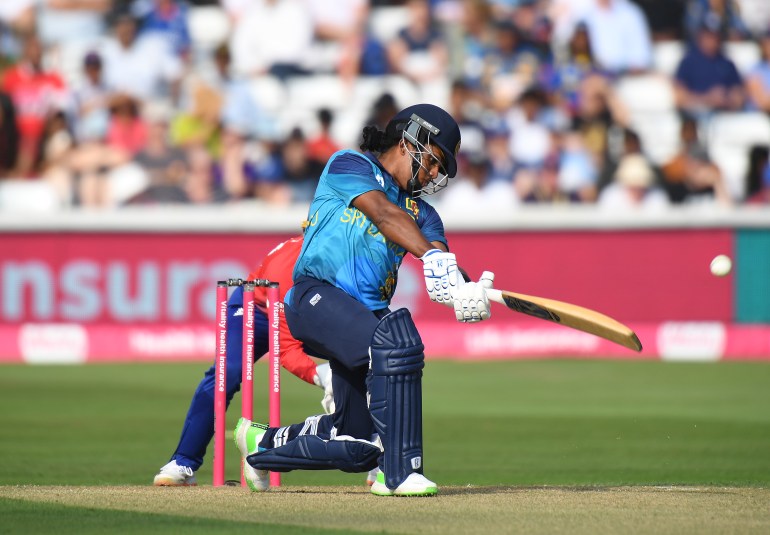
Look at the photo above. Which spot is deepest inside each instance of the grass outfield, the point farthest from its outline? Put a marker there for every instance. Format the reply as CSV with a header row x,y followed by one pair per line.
x,y
522,446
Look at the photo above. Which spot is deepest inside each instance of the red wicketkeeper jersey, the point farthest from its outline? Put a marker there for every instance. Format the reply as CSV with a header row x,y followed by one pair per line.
x,y
277,266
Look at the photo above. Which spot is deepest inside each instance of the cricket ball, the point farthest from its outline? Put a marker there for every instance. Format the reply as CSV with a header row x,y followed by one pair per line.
x,y
721,265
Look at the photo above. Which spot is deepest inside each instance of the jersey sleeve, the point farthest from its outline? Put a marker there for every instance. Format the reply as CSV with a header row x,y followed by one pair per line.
x,y
351,174
430,224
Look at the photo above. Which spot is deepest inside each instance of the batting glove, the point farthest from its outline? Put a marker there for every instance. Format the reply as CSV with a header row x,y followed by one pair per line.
x,y
471,303
442,277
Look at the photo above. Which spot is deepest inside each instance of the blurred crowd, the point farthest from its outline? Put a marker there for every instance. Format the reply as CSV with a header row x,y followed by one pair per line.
x,y
112,103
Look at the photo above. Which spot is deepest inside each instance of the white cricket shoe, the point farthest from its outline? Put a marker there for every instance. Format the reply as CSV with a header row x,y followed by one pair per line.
x,y
371,477
175,475
247,438
414,485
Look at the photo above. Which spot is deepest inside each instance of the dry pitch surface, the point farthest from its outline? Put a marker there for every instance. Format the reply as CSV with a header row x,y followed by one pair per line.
x,y
486,510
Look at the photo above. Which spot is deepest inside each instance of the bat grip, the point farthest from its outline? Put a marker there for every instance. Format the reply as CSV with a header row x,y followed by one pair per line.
x,y
495,295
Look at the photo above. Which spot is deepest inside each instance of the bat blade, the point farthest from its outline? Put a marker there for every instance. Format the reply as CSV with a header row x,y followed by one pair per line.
x,y
569,315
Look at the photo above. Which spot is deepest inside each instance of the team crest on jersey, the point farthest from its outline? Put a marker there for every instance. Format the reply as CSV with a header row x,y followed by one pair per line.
x,y
413,207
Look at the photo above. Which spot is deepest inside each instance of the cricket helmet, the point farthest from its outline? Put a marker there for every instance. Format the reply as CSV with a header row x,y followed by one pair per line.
x,y
426,124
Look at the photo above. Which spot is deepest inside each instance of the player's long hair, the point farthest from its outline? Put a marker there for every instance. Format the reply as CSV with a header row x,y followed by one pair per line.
x,y
377,140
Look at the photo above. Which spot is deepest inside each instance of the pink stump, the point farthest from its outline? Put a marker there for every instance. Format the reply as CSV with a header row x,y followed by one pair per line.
x,y
274,352
220,386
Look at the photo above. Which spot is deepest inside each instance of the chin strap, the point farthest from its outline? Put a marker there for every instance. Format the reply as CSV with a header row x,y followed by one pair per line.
x,y
415,189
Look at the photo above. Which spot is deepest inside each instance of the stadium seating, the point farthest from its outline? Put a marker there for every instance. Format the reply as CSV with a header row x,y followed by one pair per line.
x,y
28,196
650,101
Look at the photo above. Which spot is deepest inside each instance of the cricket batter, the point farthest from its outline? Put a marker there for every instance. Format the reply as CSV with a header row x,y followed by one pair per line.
x,y
199,424
367,213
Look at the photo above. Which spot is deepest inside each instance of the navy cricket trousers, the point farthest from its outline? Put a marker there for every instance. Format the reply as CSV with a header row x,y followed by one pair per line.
x,y
334,326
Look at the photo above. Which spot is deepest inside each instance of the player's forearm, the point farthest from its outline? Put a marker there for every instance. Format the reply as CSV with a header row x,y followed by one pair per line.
x,y
401,229
296,362
395,224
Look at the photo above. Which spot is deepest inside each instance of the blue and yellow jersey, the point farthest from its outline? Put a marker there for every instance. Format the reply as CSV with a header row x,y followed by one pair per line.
x,y
342,247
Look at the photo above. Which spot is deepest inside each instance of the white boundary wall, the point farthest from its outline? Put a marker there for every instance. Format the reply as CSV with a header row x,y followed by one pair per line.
x,y
256,217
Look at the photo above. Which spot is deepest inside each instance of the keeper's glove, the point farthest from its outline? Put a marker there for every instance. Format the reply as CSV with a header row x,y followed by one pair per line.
x,y
323,379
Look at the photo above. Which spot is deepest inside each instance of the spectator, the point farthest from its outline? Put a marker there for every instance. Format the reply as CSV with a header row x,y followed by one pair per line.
x,y
19,16
577,176
564,15
758,176
322,146
620,38
474,188
339,30
530,139
706,80
200,125
300,171
9,47
723,15
86,174
534,29
35,93
374,56
239,174
690,177
216,98
127,130
166,166
509,57
199,185
631,144
758,80
500,165
168,19
633,188
599,112
56,147
564,78
91,101
466,106
540,186
418,51
9,136
273,37
143,67
477,39
56,143
664,18
383,110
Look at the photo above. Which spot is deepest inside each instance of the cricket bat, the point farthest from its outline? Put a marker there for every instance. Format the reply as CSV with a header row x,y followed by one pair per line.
x,y
577,317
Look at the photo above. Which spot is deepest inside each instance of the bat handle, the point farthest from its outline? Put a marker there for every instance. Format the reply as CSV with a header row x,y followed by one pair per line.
x,y
495,295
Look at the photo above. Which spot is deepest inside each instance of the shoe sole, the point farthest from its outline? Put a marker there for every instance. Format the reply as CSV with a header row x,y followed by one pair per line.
x,y
172,483
378,489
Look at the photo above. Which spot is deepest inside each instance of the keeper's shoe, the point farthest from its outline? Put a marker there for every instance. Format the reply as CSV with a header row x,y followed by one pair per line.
x,y
371,477
414,485
247,438
175,475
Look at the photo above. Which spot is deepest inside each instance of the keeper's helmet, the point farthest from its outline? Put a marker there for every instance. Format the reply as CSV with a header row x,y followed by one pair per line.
x,y
426,124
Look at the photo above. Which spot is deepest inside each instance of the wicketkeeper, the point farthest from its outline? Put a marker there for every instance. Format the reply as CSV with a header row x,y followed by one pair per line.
x,y
198,426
